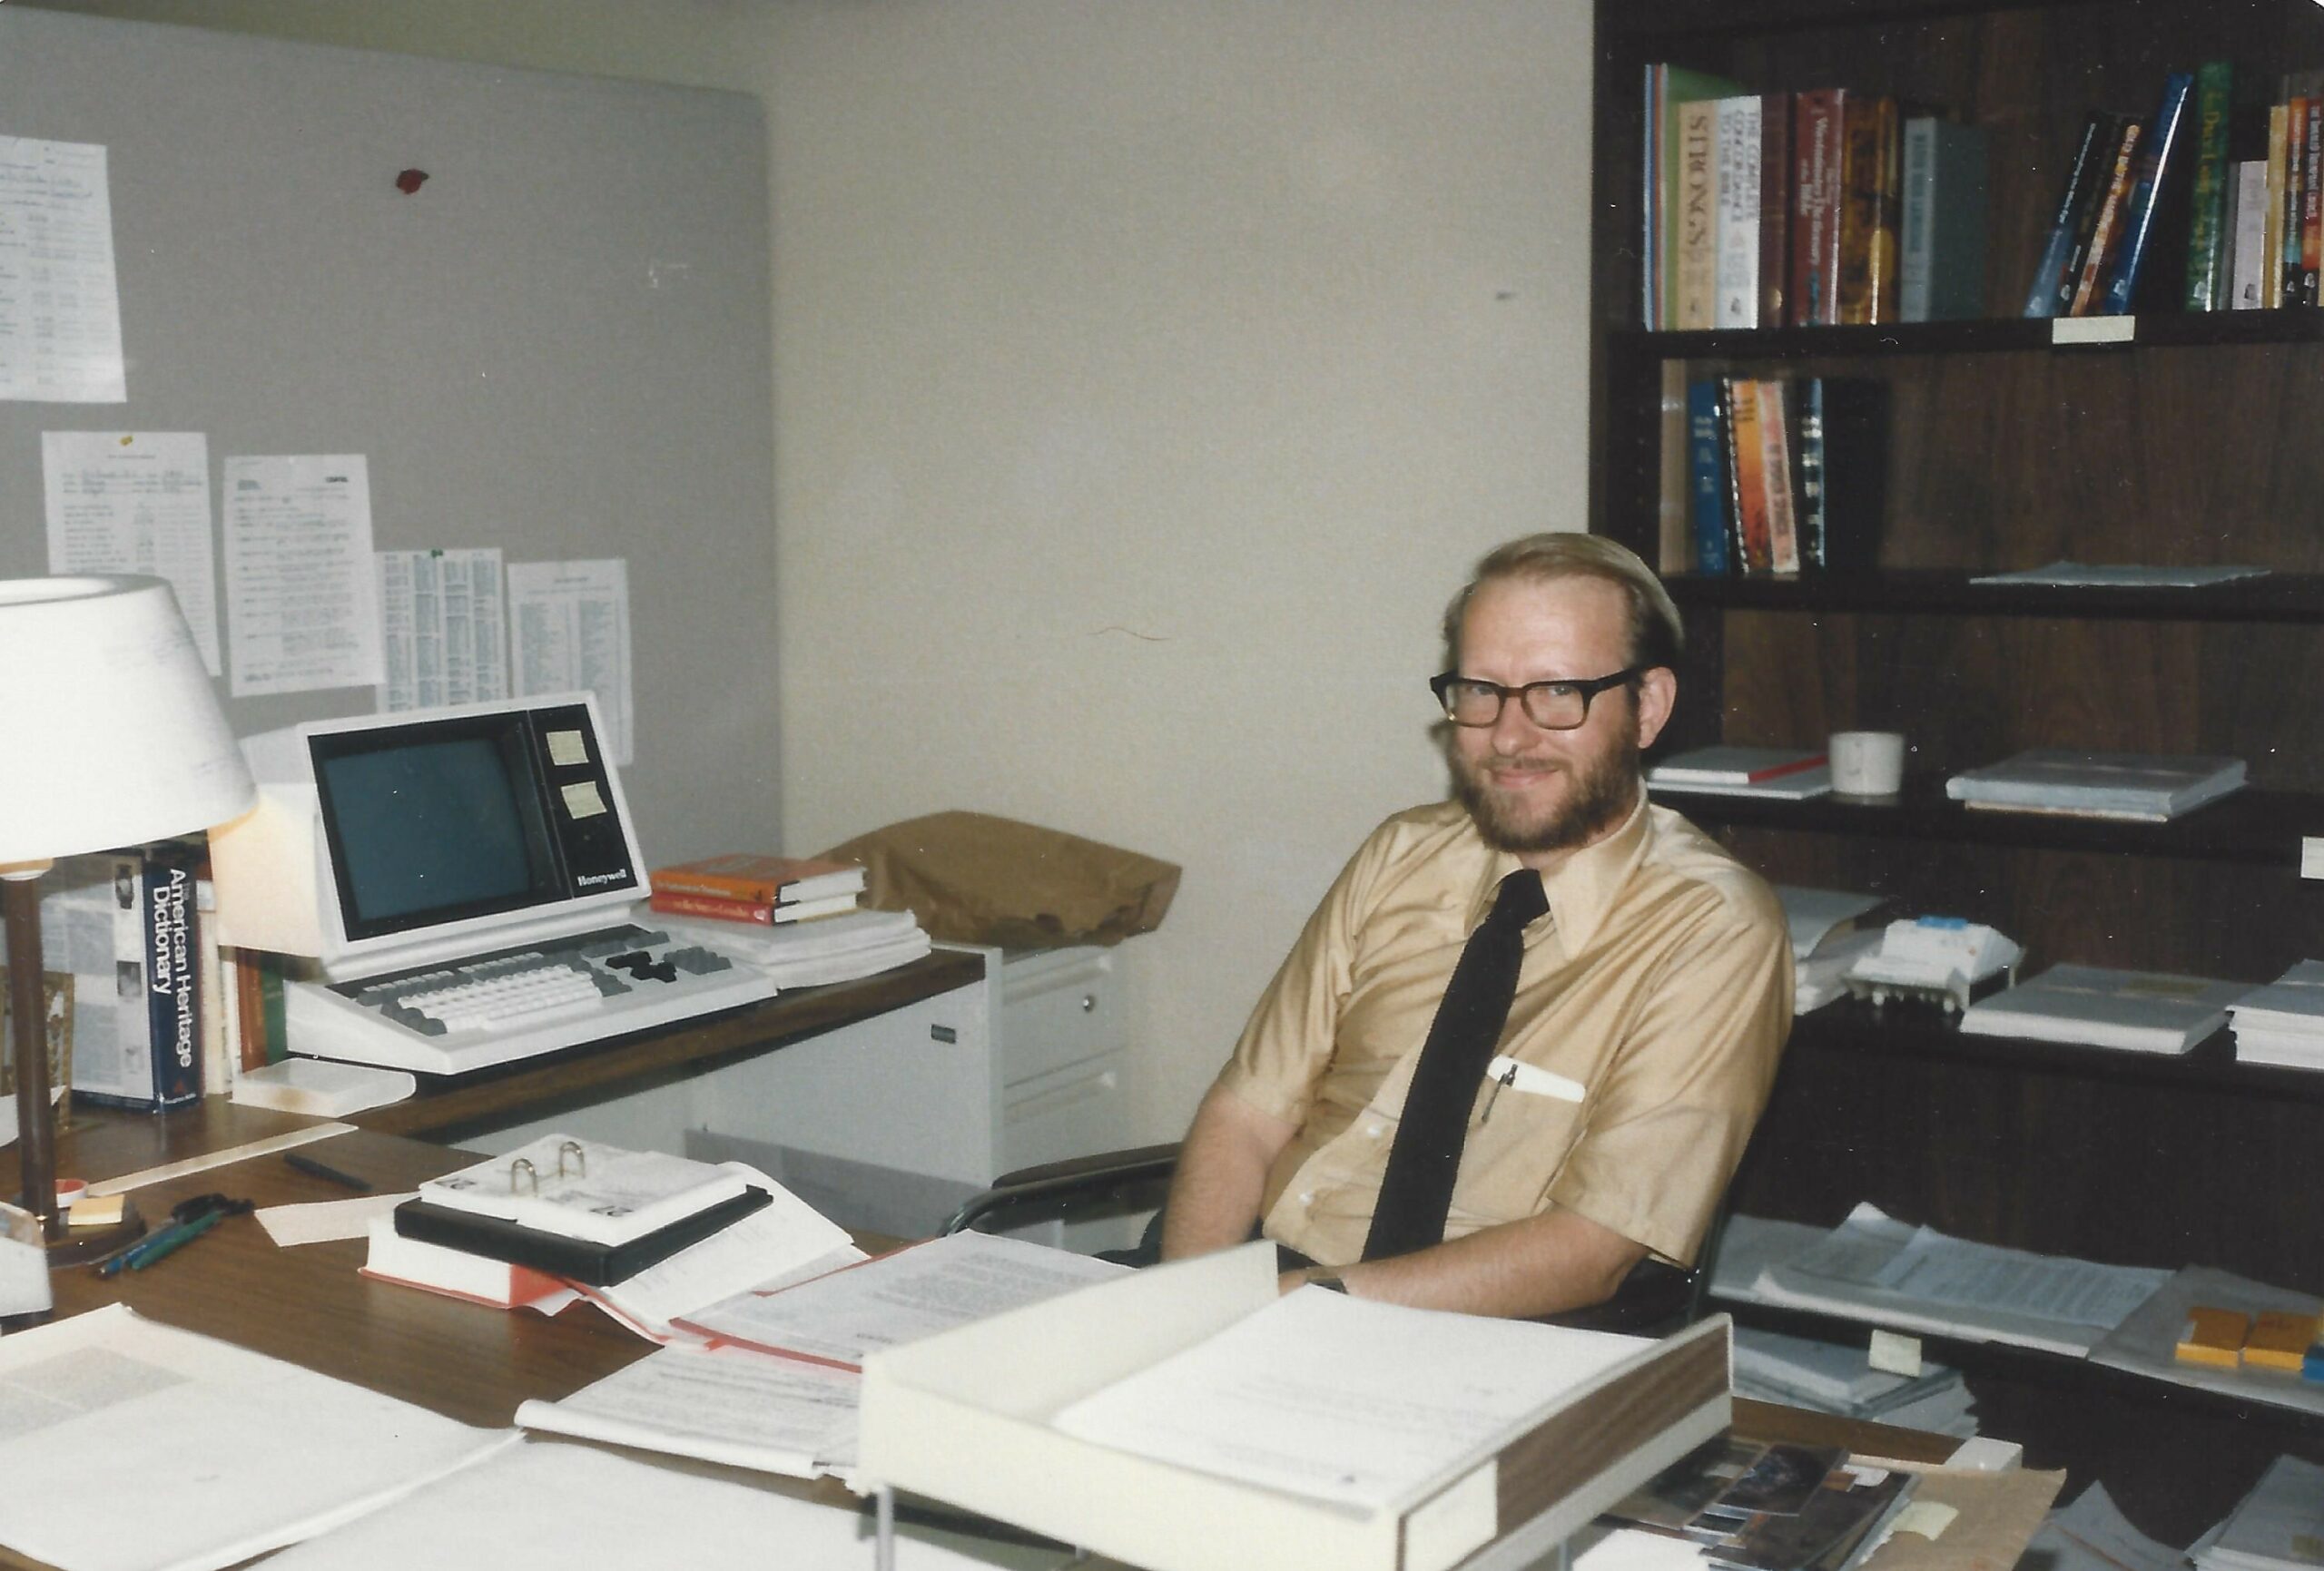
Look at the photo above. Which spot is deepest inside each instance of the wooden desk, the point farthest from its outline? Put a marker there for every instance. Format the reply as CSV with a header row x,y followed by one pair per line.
x,y
558,1082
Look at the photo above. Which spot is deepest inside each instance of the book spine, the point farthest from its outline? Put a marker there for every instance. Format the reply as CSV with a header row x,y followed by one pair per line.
x,y
1775,469
1747,455
2248,249
716,907
172,982
2138,212
1814,517
2207,287
272,975
1650,205
2270,260
1697,217
1814,207
2105,228
1708,474
2288,237
1675,537
1738,129
716,886
217,1064
1918,261
2311,208
1868,237
1775,206
2042,293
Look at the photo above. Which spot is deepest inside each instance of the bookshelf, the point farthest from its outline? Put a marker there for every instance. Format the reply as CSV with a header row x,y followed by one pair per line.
x,y
2198,440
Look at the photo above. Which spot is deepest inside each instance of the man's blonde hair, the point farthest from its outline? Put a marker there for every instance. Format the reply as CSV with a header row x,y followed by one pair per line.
x,y
1656,636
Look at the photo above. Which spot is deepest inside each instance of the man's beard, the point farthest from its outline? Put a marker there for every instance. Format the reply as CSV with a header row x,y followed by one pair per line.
x,y
1602,793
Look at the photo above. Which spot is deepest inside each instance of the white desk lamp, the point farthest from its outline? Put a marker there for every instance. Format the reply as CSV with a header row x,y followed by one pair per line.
x,y
110,735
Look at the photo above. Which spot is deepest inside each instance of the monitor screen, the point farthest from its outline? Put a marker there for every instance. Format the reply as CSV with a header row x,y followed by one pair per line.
x,y
428,830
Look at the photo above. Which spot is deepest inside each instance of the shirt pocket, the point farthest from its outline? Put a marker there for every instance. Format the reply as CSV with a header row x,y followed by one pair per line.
x,y
1518,1142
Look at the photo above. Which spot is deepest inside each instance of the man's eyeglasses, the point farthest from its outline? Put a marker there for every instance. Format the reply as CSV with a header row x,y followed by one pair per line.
x,y
1552,705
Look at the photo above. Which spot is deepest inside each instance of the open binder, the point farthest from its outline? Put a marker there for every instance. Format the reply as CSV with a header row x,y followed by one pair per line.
x,y
965,1417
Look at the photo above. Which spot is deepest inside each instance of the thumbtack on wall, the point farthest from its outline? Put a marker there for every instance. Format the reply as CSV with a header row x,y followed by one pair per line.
x,y
410,180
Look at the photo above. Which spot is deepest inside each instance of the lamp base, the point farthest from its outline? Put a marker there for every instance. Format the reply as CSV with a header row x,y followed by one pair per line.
x,y
80,1245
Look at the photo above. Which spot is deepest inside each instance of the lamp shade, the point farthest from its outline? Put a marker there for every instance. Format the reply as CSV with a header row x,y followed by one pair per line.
x,y
110,730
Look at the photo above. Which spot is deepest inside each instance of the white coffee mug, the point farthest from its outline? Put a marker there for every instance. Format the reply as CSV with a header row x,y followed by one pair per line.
x,y
1868,763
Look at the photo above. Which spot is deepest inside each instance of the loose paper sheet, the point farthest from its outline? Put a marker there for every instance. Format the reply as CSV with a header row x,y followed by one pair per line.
x,y
59,301
324,1220
570,633
443,638
899,1297
2092,1535
301,590
135,502
549,1506
729,1404
1342,1399
105,1396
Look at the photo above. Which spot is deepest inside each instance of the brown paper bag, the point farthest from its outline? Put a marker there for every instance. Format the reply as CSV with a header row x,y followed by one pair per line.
x,y
974,879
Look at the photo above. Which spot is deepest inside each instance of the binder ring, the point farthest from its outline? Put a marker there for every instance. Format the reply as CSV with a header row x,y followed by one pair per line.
x,y
523,1166
580,1159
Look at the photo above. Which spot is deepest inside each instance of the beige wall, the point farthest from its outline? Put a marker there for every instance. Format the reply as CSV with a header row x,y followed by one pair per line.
x,y
1147,374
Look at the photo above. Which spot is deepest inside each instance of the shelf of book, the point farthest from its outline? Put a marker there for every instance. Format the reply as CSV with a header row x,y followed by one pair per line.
x,y
2254,826
2277,598
1852,1029
2292,325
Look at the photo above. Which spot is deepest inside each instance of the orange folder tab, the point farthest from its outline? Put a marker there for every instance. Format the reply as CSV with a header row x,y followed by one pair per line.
x,y
2213,1335
2279,1340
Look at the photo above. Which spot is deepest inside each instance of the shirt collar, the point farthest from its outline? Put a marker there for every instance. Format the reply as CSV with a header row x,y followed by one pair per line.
x,y
1582,889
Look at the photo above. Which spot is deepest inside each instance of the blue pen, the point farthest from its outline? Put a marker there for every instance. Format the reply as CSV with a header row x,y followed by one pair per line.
x,y
161,1244
113,1265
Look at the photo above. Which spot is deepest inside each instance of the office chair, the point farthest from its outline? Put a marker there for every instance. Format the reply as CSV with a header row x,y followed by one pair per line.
x,y
1654,1300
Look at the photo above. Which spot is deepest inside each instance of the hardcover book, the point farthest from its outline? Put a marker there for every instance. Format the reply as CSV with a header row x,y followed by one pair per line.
x,y
1738,131
1711,514
1941,272
1815,194
2100,1007
2080,293
1734,766
2150,787
2162,155
1869,205
2060,252
2207,284
753,876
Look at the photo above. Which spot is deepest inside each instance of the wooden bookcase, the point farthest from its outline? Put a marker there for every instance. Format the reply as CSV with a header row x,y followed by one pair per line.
x,y
2199,442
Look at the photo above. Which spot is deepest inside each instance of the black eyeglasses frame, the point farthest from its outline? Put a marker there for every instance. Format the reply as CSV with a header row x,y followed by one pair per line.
x,y
1589,687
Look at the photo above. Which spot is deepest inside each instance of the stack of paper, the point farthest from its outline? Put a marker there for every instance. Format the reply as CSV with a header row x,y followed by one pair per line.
x,y
2283,1022
772,1378
1827,938
2148,786
1874,1268
1828,1377
828,949
2143,1011
2279,1525
2092,1535
1781,773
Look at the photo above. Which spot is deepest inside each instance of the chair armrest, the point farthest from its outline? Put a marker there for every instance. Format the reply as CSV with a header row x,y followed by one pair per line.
x,y
1062,1181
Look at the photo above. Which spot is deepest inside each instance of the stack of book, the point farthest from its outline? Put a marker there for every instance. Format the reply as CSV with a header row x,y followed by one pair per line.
x,y
1828,1377
2149,788
1805,209
121,941
1785,774
2143,1011
2278,1527
755,889
1756,1507
2124,169
1783,475
2261,230
2282,1022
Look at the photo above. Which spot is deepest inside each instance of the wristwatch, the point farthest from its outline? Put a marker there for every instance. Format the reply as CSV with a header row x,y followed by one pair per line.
x,y
1323,1276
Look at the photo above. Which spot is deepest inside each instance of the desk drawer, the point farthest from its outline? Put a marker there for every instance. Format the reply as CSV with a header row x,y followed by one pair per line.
x,y
1058,1007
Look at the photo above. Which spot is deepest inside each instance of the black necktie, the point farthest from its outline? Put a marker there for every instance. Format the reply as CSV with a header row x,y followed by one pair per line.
x,y
1416,1190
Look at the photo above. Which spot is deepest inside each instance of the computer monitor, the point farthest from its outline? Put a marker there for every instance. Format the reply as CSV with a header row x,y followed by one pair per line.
x,y
394,839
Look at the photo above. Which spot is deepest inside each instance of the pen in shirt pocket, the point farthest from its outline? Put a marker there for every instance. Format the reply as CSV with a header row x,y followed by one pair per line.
x,y
1508,1075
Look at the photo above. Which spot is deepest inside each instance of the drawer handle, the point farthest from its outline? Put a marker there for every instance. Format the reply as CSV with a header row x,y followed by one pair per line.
x,y
1089,1003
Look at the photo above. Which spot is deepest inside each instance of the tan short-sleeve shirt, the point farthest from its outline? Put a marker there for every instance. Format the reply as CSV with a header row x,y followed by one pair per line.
x,y
1651,1006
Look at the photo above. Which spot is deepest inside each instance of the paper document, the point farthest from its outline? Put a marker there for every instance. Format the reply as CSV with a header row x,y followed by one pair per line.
x,y
60,300
898,1298
570,633
2092,1535
784,1242
2280,1524
105,1396
326,1221
1877,1269
135,502
1342,1399
2081,574
302,593
443,636
546,1507
731,1405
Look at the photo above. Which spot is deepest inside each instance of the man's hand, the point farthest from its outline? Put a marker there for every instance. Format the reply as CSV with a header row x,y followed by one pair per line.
x,y
1542,1265
1222,1170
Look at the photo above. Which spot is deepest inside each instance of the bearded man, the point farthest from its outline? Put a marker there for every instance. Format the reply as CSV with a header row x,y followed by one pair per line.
x,y
1576,1123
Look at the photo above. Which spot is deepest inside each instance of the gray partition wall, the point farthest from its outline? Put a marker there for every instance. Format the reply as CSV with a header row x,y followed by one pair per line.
x,y
556,345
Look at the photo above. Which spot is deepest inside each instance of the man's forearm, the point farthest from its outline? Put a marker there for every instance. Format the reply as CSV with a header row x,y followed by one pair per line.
x,y
1222,1174
1545,1264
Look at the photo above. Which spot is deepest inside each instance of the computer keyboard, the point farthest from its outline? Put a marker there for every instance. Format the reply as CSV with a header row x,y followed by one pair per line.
x,y
511,1003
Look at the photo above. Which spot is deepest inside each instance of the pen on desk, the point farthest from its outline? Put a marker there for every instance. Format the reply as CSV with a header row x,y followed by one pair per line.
x,y
308,1165
169,1242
